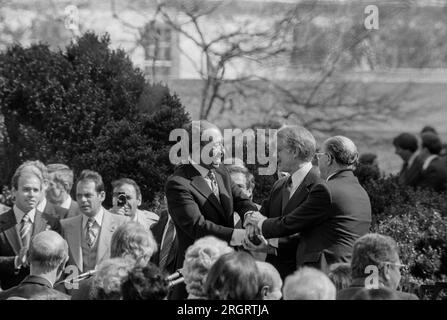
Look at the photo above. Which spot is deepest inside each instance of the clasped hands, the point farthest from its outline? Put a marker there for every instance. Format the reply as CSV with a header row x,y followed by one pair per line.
x,y
254,241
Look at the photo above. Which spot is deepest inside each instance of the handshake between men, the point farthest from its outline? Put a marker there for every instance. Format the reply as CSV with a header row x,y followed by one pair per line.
x,y
253,240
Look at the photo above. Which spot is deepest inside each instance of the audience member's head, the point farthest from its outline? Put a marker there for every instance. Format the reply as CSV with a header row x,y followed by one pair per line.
x,y
243,178
132,240
368,158
131,191
199,258
340,275
378,251
375,294
145,283
308,284
28,185
405,145
429,129
337,153
431,143
106,282
90,193
271,282
296,145
60,183
47,255
234,276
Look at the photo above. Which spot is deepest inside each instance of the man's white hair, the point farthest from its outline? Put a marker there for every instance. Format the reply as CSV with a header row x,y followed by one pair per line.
x,y
308,284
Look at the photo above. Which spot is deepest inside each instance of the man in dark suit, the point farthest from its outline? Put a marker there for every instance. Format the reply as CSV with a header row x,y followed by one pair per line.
x,y
295,150
406,145
375,263
48,254
200,194
434,170
20,224
335,214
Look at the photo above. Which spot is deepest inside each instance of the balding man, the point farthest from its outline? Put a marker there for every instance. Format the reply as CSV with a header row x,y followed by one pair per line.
x,y
309,284
335,214
48,254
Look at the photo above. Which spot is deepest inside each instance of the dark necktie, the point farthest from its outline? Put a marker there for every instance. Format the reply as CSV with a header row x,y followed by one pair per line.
x,y
25,230
286,192
167,243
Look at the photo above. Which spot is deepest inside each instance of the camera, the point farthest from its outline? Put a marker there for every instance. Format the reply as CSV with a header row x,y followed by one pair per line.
x,y
122,200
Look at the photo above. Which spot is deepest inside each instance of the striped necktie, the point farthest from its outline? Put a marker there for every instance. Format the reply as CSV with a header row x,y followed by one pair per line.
x,y
91,232
25,230
212,177
167,243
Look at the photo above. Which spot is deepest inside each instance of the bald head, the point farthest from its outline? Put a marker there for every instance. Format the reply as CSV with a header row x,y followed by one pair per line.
x,y
342,149
309,284
48,250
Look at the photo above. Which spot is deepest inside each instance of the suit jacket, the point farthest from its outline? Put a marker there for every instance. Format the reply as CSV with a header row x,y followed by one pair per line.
x,y
158,230
197,212
54,214
434,177
10,245
409,176
334,215
277,206
34,286
73,210
72,232
357,286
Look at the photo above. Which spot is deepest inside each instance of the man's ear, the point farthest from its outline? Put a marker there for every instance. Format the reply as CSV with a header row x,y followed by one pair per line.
x,y
139,202
102,195
264,291
385,272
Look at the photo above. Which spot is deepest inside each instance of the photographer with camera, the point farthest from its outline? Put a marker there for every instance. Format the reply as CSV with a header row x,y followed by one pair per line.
x,y
126,199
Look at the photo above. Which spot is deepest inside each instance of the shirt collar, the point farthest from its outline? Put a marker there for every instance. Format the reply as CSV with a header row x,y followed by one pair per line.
x,y
98,218
299,175
20,214
203,171
67,203
42,204
428,161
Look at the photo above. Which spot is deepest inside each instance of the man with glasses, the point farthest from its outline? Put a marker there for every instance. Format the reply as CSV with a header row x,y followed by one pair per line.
x,y
375,264
336,212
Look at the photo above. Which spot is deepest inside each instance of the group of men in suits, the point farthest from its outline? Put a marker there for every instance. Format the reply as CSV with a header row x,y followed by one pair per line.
x,y
307,219
42,202
423,166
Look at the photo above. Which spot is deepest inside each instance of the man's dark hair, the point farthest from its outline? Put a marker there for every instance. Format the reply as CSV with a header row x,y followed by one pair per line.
x,y
145,283
432,142
429,129
118,183
406,141
89,175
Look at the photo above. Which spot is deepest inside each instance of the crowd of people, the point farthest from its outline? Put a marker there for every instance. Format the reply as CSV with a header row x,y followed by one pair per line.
x,y
308,240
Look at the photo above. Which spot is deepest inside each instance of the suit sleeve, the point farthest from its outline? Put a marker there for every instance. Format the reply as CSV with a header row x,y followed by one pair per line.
x,y
310,213
7,265
187,216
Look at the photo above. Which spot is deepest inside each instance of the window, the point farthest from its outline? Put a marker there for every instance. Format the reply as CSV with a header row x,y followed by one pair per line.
x,y
157,44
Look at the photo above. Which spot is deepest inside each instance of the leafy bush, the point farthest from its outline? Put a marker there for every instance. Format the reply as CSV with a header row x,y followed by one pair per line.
x,y
416,219
88,107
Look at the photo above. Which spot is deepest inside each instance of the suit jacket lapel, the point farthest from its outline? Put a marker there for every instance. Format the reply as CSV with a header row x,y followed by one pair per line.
x,y
200,184
223,193
105,236
14,239
300,193
74,236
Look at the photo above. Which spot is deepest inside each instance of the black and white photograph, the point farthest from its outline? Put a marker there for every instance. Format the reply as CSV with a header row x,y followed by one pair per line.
x,y
230,150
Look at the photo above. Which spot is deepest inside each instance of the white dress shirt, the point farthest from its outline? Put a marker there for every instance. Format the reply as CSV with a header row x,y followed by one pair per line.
x,y
41,206
298,177
67,203
428,161
98,221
